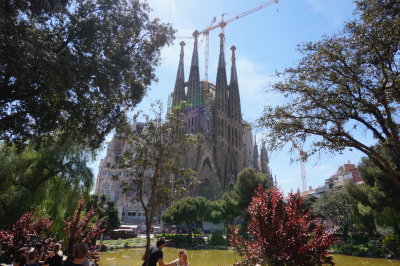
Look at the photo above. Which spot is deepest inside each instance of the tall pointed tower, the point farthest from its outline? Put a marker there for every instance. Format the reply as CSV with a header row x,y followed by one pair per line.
x,y
179,90
194,93
214,111
264,160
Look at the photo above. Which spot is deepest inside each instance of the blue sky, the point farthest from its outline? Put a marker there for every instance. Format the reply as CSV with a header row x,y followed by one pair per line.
x,y
266,42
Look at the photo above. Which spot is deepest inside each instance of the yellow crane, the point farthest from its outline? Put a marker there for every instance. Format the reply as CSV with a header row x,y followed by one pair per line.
x,y
222,24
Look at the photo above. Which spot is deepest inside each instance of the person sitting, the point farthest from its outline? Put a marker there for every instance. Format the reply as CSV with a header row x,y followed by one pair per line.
x,y
155,254
81,251
181,260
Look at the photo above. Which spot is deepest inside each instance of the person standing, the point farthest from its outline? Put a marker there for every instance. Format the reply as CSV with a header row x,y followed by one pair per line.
x,y
33,258
55,257
156,254
81,251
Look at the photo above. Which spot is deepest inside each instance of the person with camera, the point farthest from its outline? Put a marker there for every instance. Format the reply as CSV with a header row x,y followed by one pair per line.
x,y
55,256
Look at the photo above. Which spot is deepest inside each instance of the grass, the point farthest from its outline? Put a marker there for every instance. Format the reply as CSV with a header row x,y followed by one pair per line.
x,y
128,243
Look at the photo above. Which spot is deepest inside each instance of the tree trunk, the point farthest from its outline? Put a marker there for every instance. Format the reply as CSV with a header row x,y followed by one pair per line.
x,y
148,229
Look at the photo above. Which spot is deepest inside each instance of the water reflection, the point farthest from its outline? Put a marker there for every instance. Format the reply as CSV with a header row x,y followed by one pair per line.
x,y
132,257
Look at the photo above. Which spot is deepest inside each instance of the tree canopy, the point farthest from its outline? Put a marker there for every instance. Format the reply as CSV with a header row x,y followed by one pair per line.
x,y
49,180
105,209
345,84
188,210
68,68
336,206
246,185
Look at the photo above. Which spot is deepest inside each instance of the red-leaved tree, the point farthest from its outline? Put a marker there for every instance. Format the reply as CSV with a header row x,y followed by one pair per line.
x,y
25,231
82,227
280,234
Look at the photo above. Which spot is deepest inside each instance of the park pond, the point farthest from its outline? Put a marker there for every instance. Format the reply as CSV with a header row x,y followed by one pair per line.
x,y
132,257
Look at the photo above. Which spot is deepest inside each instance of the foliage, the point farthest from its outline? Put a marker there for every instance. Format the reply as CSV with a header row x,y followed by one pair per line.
x,y
336,206
376,178
360,245
28,229
176,236
81,227
280,233
225,209
188,211
125,244
377,206
344,85
217,239
48,180
105,209
157,162
68,67
392,244
246,184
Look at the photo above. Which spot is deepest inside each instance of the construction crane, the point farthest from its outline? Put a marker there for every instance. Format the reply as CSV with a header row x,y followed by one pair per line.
x,y
222,24
303,159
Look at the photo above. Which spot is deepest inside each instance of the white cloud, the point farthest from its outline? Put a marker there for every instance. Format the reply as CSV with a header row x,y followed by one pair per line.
x,y
336,11
253,79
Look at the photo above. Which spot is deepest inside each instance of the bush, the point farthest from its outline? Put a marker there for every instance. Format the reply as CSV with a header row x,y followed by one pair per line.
x,y
176,236
370,247
384,231
217,239
125,244
392,244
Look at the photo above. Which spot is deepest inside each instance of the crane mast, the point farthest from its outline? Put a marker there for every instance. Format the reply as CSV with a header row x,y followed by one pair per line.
x,y
303,159
222,24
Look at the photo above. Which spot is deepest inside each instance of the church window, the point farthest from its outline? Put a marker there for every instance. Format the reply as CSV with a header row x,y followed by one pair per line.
x,y
123,213
106,186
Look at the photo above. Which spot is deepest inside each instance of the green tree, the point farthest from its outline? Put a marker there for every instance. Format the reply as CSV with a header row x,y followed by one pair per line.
x,y
345,84
157,162
69,67
187,210
225,209
49,180
374,208
376,179
105,209
337,206
246,184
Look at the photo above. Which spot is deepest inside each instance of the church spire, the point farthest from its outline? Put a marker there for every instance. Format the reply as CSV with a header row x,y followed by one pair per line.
x,y
194,93
221,83
179,90
264,160
234,96
255,154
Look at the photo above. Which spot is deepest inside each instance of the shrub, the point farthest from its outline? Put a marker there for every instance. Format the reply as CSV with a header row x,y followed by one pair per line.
x,y
391,243
125,244
217,239
280,233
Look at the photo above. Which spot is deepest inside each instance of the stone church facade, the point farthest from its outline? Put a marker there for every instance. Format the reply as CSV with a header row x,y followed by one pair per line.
x,y
214,111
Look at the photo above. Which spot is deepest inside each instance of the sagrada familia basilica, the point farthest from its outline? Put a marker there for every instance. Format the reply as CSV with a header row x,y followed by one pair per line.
x,y
215,112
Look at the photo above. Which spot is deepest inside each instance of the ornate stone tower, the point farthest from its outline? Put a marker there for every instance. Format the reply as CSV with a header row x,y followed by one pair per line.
x,y
215,112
